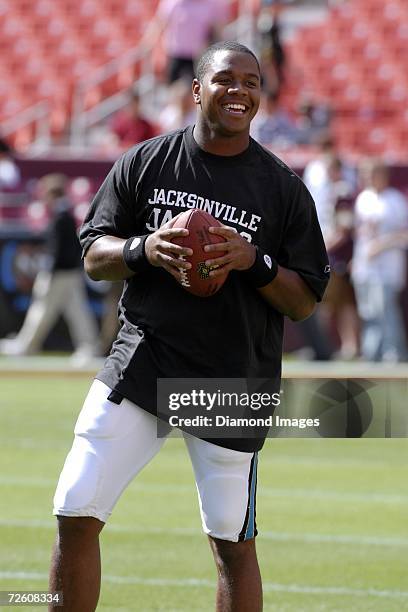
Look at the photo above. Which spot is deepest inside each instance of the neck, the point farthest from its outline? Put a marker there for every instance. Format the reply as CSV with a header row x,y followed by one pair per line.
x,y
219,144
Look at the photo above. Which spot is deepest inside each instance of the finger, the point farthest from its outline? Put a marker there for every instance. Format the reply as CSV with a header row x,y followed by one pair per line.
x,y
173,271
221,271
224,230
219,261
176,264
170,247
172,232
218,246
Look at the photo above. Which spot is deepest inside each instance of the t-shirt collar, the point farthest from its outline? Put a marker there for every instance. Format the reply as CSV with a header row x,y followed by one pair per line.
x,y
197,151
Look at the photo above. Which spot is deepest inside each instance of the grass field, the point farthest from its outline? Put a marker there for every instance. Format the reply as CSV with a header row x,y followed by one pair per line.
x,y
332,516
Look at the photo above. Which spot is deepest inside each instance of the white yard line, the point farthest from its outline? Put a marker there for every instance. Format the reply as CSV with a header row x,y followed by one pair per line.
x,y
319,538
199,582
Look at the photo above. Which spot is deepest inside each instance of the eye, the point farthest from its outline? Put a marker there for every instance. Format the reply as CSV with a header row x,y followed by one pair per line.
x,y
251,84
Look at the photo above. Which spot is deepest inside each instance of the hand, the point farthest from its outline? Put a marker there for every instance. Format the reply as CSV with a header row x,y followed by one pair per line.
x,y
161,252
240,254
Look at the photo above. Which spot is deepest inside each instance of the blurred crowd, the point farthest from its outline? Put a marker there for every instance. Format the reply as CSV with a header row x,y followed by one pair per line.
x,y
364,221
364,218
188,26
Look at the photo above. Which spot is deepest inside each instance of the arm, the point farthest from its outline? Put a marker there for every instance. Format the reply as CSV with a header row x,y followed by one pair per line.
x,y
287,293
104,259
394,240
290,295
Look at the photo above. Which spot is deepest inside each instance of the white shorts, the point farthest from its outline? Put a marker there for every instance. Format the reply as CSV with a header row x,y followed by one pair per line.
x,y
113,442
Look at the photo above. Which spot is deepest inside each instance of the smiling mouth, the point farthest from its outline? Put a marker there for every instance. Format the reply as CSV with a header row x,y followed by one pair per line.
x,y
235,109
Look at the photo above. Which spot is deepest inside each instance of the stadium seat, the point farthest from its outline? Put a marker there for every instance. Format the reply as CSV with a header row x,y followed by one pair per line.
x,y
359,57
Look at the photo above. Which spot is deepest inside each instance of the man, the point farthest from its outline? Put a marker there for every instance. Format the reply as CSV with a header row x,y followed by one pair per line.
x,y
128,234
129,126
379,265
187,26
58,289
274,126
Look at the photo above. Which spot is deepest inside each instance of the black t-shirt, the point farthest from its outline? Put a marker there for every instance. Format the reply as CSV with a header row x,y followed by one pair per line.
x,y
62,239
166,331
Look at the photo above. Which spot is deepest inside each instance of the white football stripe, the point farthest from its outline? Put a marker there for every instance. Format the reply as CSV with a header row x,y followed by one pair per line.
x,y
277,536
199,582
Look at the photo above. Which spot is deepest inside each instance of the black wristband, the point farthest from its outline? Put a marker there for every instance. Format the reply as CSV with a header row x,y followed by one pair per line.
x,y
263,270
134,253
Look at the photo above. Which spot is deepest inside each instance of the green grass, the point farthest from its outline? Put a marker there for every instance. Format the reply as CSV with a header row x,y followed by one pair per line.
x,y
332,516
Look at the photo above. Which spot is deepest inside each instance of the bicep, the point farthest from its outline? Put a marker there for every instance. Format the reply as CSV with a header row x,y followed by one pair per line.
x,y
112,212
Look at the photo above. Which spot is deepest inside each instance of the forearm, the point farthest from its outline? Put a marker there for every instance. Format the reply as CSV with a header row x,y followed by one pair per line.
x,y
107,257
104,260
390,241
290,295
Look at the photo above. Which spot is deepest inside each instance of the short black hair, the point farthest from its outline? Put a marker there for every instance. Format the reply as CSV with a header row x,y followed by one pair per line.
x,y
205,60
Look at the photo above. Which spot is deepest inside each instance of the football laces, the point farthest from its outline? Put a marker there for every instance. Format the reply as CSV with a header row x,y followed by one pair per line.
x,y
184,277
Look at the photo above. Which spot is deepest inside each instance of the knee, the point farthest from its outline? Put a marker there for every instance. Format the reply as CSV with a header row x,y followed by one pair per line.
x,y
229,554
72,528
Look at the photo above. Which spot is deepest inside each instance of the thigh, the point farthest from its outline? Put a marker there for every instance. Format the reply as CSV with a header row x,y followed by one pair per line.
x,y
112,443
226,486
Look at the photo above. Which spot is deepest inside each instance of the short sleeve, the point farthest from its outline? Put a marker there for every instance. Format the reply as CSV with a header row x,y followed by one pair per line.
x,y
302,248
113,209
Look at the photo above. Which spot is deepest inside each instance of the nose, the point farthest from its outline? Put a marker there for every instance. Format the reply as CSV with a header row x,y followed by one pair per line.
x,y
237,86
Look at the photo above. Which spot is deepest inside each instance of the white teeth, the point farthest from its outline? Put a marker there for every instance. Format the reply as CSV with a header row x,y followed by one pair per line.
x,y
235,107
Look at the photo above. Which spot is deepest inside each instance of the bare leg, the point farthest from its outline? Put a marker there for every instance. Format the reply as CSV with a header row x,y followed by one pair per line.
x,y
76,564
239,586
348,326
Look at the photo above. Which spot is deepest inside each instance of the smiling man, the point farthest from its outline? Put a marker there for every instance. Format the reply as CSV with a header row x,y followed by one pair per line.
x,y
277,265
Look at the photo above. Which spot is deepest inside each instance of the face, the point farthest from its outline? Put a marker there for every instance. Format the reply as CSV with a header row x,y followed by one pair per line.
x,y
229,93
380,179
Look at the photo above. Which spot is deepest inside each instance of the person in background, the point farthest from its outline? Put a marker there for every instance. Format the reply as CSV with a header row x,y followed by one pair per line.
x,y
188,27
314,120
315,175
336,220
9,172
129,126
379,265
274,126
273,57
180,109
59,289
329,181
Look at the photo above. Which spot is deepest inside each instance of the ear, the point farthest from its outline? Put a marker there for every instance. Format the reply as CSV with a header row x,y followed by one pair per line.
x,y
196,91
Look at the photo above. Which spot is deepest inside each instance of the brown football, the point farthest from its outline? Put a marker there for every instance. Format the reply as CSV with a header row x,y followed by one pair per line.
x,y
197,279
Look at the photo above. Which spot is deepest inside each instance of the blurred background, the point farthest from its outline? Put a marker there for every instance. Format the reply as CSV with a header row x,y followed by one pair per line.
x,y
82,81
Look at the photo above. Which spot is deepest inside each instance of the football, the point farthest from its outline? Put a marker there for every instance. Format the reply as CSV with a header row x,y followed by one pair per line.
x,y
197,280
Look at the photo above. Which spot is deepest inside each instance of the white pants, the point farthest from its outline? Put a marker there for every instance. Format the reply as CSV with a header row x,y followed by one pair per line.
x,y
113,442
55,294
